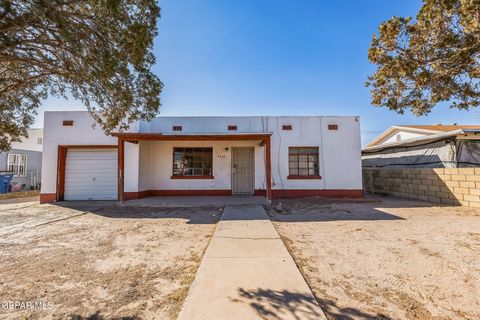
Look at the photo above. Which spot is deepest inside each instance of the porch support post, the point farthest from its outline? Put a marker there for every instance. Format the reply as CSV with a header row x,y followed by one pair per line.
x,y
121,166
268,169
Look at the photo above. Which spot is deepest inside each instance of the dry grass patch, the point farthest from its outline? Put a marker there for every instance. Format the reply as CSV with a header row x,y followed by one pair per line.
x,y
386,259
110,263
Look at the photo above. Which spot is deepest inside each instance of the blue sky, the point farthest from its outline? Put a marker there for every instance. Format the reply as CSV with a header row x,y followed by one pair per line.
x,y
264,57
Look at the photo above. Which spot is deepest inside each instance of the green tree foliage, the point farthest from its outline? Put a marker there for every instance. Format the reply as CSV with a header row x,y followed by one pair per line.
x,y
98,50
427,60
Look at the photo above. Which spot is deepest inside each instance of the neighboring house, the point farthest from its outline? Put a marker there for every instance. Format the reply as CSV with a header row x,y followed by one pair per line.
x,y
24,160
424,146
272,156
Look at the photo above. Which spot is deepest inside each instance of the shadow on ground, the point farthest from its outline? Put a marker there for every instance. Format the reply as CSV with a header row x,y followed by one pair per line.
x,y
203,215
98,316
330,209
274,304
327,212
334,312
277,305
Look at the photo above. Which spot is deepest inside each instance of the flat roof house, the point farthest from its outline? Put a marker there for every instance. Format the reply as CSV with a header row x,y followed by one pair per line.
x,y
272,156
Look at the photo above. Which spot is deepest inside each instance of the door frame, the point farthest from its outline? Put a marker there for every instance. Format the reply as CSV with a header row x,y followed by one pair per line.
x,y
253,170
62,162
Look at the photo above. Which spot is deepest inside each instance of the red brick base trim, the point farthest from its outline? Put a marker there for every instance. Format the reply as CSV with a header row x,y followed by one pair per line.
x,y
171,193
135,195
302,193
278,194
260,192
47,197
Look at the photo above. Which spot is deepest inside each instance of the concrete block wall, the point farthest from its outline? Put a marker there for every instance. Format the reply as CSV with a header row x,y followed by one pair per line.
x,y
459,186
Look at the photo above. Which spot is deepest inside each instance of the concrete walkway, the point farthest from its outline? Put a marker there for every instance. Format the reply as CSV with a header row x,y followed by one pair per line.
x,y
247,273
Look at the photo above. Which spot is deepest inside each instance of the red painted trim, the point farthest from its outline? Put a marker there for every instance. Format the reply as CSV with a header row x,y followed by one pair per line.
x,y
47,197
277,194
135,195
302,193
292,177
88,146
172,193
120,168
268,168
195,192
259,192
185,137
62,161
191,177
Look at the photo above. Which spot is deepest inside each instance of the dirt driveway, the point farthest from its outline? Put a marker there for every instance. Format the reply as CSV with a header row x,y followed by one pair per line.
x,y
99,261
388,259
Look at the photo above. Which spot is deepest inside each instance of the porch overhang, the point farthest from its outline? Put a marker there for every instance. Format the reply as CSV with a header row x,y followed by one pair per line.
x,y
135,137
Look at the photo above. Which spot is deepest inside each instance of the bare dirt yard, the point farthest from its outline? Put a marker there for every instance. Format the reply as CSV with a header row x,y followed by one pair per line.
x,y
99,261
387,258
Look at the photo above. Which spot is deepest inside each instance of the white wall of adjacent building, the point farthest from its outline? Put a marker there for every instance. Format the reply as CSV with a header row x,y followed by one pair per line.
x,y
401,135
34,141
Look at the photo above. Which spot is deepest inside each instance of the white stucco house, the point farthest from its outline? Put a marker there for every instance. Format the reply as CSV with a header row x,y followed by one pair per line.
x,y
271,156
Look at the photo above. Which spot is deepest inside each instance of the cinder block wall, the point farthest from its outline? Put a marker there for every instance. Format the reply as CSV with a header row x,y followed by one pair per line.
x,y
460,186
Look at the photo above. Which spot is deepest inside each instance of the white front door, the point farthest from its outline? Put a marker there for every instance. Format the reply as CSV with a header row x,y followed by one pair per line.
x,y
243,173
91,174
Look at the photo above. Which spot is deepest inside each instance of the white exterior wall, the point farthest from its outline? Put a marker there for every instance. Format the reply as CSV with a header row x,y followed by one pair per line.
x,y
340,164
157,165
148,164
131,167
55,134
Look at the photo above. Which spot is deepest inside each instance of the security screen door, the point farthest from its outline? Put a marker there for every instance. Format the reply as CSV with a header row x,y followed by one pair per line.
x,y
243,172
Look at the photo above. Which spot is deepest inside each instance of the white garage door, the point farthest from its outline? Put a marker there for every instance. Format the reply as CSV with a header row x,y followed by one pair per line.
x,y
91,174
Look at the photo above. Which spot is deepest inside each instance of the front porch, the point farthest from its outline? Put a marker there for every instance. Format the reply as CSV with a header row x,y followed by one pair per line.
x,y
168,165
196,201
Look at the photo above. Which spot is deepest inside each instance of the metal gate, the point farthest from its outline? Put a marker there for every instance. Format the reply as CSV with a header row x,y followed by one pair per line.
x,y
243,170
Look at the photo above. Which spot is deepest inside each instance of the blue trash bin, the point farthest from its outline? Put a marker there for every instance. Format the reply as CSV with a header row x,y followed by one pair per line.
x,y
5,180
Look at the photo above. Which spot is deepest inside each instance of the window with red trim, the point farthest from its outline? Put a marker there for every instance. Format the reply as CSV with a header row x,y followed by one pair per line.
x,y
192,162
303,162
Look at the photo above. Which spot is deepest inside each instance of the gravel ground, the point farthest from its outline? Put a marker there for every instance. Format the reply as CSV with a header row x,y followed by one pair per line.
x,y
386,259
99,261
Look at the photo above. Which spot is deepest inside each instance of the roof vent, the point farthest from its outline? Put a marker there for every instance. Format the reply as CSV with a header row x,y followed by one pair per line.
x,y
333,127
67,123
287,127
232,127
176,128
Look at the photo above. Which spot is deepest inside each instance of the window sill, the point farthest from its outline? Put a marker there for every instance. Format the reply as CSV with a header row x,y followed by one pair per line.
x,y
303,177
191,177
